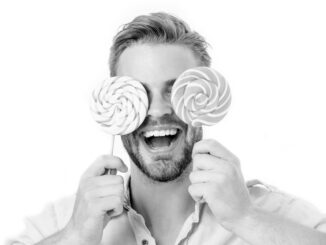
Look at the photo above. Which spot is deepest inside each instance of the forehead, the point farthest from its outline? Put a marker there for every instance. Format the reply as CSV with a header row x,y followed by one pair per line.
x,y
153,64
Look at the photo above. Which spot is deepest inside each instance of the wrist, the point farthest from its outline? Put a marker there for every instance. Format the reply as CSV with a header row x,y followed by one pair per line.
x,y
246,219
71,236
66,236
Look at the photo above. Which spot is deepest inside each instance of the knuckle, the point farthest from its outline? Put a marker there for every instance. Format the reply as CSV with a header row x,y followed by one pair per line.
x,y
106,159
103,158
100,160
196,144
115,200
114,159
118,210
211,142
196,158
191,177
119,179
191,189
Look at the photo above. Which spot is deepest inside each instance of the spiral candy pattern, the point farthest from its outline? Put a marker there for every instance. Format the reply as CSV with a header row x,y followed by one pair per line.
x,y
201,96
119,105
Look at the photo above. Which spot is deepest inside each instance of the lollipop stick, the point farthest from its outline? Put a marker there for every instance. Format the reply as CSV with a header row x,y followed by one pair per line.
x,y
112,171
111,143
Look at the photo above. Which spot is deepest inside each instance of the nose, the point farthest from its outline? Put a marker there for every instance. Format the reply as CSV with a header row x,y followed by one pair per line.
x,y
159,106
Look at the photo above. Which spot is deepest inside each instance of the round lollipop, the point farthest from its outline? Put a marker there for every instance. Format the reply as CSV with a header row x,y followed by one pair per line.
x,y
119,105
201,96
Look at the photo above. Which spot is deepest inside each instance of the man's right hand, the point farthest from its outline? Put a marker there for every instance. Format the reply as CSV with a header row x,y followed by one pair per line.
x,y
99,199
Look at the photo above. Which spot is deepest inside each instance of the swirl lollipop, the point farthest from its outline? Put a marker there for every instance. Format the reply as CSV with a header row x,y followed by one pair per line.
x,y
201,96
119,105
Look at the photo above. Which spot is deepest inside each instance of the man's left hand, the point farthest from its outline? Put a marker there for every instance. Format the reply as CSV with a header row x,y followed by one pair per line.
x,y
217,180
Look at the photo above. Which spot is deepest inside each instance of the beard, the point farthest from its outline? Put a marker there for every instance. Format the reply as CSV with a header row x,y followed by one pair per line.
x,y
163,168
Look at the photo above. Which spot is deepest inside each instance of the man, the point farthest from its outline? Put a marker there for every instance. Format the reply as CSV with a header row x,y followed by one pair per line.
x,y
182,189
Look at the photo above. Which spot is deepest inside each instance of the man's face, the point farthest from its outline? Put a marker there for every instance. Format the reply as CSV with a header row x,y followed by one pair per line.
x,y
161,147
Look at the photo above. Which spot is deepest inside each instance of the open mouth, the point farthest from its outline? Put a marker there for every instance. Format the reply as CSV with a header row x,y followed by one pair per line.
x,y
161,139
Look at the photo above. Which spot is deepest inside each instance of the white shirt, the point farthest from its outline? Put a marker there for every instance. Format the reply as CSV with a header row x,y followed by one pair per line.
x,y
199,228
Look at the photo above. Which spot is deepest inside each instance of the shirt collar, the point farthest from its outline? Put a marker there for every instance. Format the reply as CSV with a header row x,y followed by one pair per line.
x,y
195,216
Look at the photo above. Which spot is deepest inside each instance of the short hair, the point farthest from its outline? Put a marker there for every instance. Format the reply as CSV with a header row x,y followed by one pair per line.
x,y
157,28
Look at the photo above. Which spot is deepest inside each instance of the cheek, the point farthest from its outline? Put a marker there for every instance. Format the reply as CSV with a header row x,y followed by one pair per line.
x,y
129,141
194,134
144,155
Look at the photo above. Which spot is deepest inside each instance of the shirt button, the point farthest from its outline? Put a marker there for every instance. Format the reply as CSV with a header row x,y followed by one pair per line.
x,y
144,242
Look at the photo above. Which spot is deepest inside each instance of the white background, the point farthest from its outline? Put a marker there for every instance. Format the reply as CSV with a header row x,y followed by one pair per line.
x,y
52,53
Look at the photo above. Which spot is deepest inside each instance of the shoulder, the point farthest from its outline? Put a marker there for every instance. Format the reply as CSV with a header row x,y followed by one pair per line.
x,y
55,214
50,220
271,199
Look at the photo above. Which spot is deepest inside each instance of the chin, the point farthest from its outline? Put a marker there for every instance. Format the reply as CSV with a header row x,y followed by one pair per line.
x,y
162,154
163,167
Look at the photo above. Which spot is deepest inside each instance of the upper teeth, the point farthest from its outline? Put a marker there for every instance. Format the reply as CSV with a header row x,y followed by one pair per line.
x,y
157,133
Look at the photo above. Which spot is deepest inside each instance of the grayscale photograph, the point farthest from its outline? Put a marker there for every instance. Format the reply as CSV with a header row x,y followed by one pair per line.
x,y
163,122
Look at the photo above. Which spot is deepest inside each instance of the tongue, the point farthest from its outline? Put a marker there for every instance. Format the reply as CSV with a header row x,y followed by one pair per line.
x,y
157,142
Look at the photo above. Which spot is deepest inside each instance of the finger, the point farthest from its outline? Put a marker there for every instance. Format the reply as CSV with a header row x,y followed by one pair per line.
x,y
197,177
105,191
113,205
107,180
111,171
115,212
197,191
105,162
213,147
208,162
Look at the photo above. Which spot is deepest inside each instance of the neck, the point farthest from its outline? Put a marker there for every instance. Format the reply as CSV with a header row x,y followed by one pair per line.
x,y
164,205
